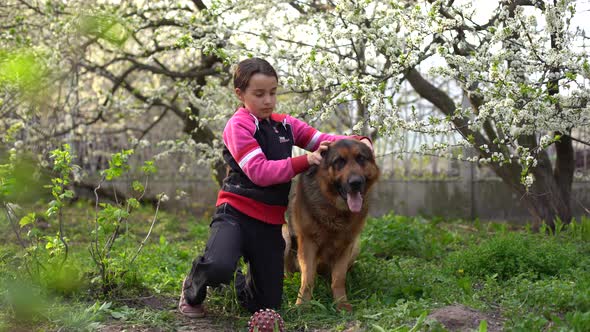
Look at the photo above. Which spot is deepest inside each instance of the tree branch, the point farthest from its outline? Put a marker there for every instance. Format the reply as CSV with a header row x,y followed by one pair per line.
x,y
199,4
110,76
580,141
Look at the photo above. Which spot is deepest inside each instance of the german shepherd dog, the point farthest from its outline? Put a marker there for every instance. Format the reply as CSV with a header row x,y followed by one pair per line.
x,y
327,213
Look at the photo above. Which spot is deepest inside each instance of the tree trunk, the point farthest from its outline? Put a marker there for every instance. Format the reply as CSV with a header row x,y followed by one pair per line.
x,y
564,172
546,200
201,134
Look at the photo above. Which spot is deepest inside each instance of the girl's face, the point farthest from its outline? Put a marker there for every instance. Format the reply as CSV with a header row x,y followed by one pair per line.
x,y
260,97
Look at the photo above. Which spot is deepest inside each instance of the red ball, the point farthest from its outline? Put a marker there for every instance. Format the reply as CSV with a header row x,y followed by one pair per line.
x,y
266,320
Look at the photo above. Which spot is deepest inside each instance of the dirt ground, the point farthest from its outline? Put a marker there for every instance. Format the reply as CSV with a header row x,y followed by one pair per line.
x,y
182,323
461,318
454,318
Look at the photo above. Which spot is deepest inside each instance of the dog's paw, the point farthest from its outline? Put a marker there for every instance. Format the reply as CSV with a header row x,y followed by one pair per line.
x,y
344,306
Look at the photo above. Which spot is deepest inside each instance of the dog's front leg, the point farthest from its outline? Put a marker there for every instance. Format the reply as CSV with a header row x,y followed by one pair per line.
x,y
339,270
307,257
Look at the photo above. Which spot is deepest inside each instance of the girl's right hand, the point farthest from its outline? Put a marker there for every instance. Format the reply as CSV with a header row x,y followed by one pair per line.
x,y
315,158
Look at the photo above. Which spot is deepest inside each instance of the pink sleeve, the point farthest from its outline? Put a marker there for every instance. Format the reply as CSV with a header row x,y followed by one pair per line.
x,y
309,138
238,136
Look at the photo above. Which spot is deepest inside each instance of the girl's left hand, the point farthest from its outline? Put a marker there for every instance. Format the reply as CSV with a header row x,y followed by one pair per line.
x,y
315,158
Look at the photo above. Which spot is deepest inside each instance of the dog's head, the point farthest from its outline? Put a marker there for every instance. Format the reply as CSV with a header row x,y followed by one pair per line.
x,y
350,170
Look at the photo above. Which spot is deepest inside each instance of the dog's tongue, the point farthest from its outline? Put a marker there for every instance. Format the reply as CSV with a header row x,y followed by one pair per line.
x,y
354,201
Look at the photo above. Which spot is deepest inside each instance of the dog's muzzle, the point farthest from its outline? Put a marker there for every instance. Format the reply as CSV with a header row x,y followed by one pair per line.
x,y
351,192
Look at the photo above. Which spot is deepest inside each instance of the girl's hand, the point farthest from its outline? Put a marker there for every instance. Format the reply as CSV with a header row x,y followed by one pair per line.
x,y
315,158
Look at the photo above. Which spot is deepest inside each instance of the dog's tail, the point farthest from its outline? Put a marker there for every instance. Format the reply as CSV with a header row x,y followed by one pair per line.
x,y
291,264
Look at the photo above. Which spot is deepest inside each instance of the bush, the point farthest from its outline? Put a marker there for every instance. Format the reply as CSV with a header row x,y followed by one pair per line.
x,y
398,279
511,254
393,235
559,294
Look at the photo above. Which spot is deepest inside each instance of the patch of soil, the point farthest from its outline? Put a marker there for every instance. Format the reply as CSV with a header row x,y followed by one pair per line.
x,y
461,318
186,325
153,302
210,323
207,324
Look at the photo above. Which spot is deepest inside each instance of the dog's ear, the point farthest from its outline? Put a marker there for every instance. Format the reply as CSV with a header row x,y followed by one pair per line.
x,y
366,150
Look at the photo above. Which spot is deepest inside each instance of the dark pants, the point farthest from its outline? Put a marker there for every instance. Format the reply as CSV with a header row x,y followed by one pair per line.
x,y
234,235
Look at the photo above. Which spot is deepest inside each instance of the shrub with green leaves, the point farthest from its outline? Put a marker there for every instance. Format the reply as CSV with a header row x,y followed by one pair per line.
x,y
402,278
511,254
393,235
579,230
113,248
565,293
42,252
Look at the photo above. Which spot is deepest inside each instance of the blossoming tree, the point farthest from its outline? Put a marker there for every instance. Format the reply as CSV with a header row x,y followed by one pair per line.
x,y
519,67
88,71
521,71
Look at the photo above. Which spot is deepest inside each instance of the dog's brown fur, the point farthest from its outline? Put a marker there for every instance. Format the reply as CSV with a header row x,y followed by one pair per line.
x,y
327,231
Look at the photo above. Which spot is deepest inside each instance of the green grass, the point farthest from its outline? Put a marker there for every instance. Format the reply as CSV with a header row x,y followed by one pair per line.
x,y
407,268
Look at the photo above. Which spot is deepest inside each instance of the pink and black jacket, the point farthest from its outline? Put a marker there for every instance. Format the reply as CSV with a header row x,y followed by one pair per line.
x,y
258,153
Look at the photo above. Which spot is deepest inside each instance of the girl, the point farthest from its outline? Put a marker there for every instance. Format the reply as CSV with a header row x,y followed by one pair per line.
x,y
253,199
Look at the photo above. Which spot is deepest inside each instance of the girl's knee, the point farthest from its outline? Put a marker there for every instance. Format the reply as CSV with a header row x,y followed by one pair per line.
x,y
220,273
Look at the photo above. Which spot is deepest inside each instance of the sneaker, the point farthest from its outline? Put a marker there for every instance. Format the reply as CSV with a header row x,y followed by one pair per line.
x,y
192,311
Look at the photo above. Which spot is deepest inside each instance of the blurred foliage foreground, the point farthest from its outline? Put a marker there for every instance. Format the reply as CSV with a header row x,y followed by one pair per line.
x,y
68,264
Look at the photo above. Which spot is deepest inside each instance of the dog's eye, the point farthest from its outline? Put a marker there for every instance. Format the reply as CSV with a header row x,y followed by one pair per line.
x,y
361,159
339,163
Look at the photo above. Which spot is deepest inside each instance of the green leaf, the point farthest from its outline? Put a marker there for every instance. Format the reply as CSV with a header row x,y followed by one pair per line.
x,y
104,26
316,303
149,167
184,41
120,214
377,328
483,326
26,220
118,315
137,186
419,322
312,55
52,211
21,68
104,306
134,203
571,75
67,194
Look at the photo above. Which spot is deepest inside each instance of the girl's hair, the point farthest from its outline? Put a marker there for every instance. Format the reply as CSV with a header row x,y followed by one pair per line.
x,y
249,67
